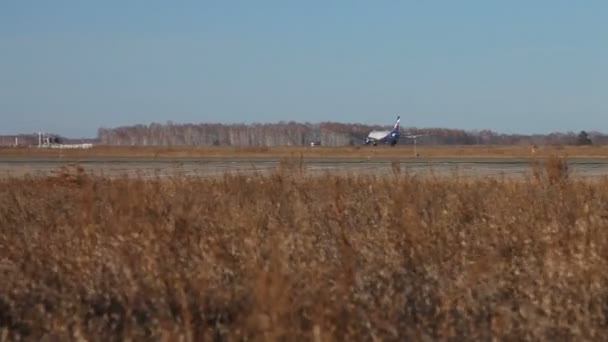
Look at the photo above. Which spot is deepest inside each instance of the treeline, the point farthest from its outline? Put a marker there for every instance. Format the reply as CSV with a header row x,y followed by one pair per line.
x,y
298,134
274,134
327,133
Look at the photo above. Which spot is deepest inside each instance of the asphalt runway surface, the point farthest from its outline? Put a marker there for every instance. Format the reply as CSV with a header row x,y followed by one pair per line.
x,y
215,166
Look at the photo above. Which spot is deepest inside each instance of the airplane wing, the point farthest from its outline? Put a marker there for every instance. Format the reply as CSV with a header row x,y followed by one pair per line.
x,y
414,136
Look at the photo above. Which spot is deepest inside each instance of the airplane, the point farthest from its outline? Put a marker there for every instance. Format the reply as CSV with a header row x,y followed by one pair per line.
x,y
386,137
389,137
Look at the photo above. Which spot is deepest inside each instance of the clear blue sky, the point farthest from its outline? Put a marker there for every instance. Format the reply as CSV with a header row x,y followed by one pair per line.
x,y
512,66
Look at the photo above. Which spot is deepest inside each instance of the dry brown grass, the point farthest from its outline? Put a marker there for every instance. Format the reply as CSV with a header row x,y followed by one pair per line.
x,y
316,151
293,257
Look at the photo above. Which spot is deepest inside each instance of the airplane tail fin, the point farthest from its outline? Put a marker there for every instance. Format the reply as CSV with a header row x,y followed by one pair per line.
x,y
396,127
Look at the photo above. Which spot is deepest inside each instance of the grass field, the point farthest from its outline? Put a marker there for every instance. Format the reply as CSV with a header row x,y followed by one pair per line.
x,y
291,257
316,151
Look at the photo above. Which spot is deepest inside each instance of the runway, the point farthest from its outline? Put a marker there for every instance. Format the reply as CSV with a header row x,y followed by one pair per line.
x,y
217,166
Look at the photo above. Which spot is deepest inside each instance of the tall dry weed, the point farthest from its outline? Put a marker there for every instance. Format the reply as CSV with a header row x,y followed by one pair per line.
x,y
291,164
299,257
552,170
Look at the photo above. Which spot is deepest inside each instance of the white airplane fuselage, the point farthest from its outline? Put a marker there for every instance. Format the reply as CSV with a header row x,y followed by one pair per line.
x,y
378,135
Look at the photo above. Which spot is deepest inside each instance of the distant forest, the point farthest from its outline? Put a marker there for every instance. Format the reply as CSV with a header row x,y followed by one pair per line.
x,y
326,133
298,134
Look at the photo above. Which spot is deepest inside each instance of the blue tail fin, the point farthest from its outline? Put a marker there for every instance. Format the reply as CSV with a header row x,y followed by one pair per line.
x,y
396,127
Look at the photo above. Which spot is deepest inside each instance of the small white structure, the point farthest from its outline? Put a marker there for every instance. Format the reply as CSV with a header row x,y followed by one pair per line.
x,y
68,146
45,142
